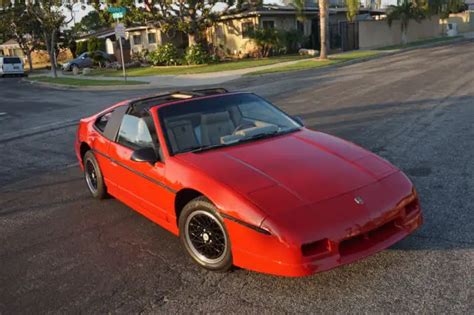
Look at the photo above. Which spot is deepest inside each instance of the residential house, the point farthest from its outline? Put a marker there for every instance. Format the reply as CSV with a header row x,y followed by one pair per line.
x,y
11,48
230,34
139,39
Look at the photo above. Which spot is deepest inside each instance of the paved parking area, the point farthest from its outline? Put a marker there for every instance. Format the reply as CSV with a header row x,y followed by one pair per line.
x,y
64,252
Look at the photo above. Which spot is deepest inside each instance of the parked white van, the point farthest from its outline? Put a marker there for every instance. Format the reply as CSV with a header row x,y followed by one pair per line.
x,y
11,65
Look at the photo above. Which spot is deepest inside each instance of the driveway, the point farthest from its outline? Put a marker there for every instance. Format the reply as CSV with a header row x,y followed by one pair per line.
x,y
64,252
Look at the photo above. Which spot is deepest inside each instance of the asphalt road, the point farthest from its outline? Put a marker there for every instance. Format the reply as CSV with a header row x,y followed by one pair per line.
x,y
63,252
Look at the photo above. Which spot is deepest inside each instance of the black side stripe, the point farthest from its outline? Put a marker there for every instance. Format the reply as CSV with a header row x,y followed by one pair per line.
x,y
154,181
250,226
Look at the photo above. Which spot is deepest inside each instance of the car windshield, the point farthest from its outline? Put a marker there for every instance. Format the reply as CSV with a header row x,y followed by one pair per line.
x,y
204,124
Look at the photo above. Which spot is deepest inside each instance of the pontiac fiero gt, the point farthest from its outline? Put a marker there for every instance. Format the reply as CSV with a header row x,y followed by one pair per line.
x,y
242,183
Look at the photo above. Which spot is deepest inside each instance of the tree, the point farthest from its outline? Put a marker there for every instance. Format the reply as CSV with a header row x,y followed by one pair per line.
x,y
50,19
192,17
93,21
323,24
352,9
404,12
16,23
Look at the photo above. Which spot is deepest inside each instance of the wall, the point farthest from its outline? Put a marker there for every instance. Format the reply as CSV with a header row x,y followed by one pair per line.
x,y
226,36
375,34
465,21
143,44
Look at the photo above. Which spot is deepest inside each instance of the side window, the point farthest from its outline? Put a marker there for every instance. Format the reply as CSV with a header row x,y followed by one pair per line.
x,y
102,121
134,133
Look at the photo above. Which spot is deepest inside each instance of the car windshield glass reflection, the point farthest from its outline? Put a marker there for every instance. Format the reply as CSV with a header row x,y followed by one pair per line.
x,y
222,121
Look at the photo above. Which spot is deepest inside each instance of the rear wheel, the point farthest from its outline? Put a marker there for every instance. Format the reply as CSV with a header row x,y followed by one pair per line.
x,y
93,176
204,235
75,69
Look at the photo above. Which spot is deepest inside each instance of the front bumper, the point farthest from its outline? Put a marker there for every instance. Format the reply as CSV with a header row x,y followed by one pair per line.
x,y
340,253
322,240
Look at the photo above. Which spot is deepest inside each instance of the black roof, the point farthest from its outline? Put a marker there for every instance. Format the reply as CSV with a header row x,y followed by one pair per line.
x,y
147,102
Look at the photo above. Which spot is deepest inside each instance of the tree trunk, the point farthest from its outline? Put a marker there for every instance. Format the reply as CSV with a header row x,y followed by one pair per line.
x,y
324,28
192,39
30,62
49,48
52,54
404,36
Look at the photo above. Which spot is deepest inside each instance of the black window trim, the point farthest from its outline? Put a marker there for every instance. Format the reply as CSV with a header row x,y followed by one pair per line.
x,y
99,117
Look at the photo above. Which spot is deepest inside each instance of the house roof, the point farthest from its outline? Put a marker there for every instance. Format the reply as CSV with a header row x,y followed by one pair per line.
x,y
10,43
269,9
107,32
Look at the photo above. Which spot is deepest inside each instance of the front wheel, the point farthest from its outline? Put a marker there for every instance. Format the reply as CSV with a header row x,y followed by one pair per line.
x,y
93,176
204,235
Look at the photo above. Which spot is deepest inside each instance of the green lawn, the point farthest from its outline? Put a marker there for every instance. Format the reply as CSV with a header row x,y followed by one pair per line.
x,y
314,63
176,70
421,42
84,82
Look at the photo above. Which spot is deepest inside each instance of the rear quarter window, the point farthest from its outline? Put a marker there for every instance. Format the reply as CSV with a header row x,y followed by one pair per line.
x,y
11,60
102,121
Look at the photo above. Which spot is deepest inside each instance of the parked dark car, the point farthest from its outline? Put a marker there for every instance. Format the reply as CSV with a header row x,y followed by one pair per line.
x,y
86,60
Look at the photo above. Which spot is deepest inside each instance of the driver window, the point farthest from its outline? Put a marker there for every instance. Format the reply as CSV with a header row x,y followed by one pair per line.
x,y
134,133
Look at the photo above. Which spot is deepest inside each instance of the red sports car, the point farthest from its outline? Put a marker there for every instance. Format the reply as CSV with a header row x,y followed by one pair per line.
x,y
242,183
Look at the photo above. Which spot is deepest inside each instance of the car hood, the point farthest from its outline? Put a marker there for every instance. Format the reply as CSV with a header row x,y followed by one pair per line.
x,y
306,166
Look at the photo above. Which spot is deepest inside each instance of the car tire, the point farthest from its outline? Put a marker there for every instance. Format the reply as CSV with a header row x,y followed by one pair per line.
x,y
75,69
200,225
93,176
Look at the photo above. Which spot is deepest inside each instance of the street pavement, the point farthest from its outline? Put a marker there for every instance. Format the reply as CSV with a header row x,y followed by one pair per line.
x,y
63,252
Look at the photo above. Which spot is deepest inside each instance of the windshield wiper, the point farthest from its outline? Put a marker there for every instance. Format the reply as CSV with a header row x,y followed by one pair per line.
x,y
201,148
268,135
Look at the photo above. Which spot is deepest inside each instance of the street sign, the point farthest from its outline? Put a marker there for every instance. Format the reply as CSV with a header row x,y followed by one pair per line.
x,y
119,30
117,10
117,15
119,34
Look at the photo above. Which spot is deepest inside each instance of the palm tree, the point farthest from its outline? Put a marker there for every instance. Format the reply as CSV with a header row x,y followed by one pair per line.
x,y
323,23
405,11
324,27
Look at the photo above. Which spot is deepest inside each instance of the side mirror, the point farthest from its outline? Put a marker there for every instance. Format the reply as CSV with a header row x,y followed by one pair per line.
x,y
144,155
299,120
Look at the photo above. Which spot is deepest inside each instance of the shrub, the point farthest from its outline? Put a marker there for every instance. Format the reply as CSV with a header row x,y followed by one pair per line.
x,y
267,40
140,56
94,44
196,55
165,55
81,47
292,40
